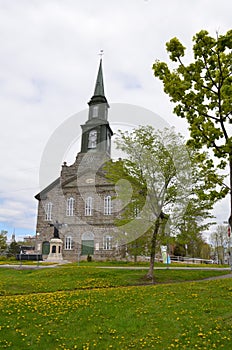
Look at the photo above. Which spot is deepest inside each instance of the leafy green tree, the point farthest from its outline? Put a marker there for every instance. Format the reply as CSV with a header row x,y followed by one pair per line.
x,y
196,219
139,246
202,94
220,241
3,239
155,182
14,248
205,251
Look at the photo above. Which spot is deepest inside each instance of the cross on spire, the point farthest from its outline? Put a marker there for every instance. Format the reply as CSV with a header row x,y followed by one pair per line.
x,y
101,53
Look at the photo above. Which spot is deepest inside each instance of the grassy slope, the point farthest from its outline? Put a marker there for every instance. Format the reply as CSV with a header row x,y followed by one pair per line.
x,y
72,277
66,315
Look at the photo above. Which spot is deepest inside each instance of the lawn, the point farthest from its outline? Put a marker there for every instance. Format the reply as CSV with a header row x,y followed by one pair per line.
x,y
75,307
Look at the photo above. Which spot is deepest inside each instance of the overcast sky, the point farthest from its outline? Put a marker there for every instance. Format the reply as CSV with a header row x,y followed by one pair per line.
x,y
48,65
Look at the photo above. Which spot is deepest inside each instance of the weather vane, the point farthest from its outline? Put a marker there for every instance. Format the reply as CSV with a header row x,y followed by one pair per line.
x,y
101,53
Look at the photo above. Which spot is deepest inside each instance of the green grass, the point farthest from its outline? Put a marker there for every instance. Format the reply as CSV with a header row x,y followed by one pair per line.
x,y
146,264
72,277
73,307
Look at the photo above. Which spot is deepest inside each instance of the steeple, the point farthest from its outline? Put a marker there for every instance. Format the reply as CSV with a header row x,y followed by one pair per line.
x,y
99,94
96,132
99,87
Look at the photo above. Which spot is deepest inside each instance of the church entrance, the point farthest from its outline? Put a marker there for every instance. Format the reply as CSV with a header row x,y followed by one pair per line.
x,y
87,243
46,248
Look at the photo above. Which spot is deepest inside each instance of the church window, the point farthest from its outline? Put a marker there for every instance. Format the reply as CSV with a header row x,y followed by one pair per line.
x,y
88,206
48,211
107,205
95,111
107,242
68,244
70,206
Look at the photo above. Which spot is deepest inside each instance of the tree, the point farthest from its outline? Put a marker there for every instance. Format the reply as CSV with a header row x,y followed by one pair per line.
x,y
138,247
156,182
14,249
3,239
202,94
220,241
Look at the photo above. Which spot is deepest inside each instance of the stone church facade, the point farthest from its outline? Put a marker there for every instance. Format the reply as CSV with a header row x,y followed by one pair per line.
x,y
79,207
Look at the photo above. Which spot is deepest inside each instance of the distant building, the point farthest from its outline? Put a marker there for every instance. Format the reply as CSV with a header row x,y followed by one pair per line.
x,y
78,207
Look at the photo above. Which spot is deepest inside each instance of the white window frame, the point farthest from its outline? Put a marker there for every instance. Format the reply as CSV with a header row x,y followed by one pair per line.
x,y
107,242
48,211
68,244
107,205
88,206
70,206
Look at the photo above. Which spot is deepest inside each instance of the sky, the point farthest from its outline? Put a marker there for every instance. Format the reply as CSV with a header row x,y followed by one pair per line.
x,y
49,57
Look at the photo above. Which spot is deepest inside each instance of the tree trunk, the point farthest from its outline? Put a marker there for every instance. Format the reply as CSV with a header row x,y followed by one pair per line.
x,y
230,165
150,274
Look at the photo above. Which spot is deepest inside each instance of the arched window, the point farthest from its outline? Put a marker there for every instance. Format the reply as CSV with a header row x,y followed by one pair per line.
x,y
70,206
87,243
88,206
68,244
48,211
107,205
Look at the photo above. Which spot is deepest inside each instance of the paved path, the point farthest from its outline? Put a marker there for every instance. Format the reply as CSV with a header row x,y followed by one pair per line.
x,y
166,268
28,267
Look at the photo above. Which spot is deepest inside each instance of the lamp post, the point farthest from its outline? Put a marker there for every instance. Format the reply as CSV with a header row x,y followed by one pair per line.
x,y
38,250
20,256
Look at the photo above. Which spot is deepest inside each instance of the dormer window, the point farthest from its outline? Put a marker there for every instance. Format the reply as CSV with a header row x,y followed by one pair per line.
x,y
95,111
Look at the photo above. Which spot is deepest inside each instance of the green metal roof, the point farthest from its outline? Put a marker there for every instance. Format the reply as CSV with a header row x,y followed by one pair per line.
x,y
99,94
99,87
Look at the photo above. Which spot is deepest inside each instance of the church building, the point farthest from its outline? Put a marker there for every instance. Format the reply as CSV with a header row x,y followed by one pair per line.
x,y
77,210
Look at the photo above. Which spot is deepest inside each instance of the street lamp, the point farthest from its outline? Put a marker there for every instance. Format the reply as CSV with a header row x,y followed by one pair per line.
x,y
20,256
38,250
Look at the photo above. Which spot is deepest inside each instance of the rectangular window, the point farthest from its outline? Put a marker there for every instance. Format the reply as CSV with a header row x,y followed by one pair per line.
x,y
95,111
107,205
107,242
68,243
88,206
48,211
70,207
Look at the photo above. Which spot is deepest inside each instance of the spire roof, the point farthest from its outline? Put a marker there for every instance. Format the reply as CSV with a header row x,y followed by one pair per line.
x,y
99,94
99,87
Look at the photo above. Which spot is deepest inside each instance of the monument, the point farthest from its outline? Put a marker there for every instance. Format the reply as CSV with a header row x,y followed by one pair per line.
x,y
56,244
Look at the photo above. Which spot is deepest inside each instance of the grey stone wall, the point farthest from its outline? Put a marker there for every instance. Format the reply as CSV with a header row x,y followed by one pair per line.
x,y
89,182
